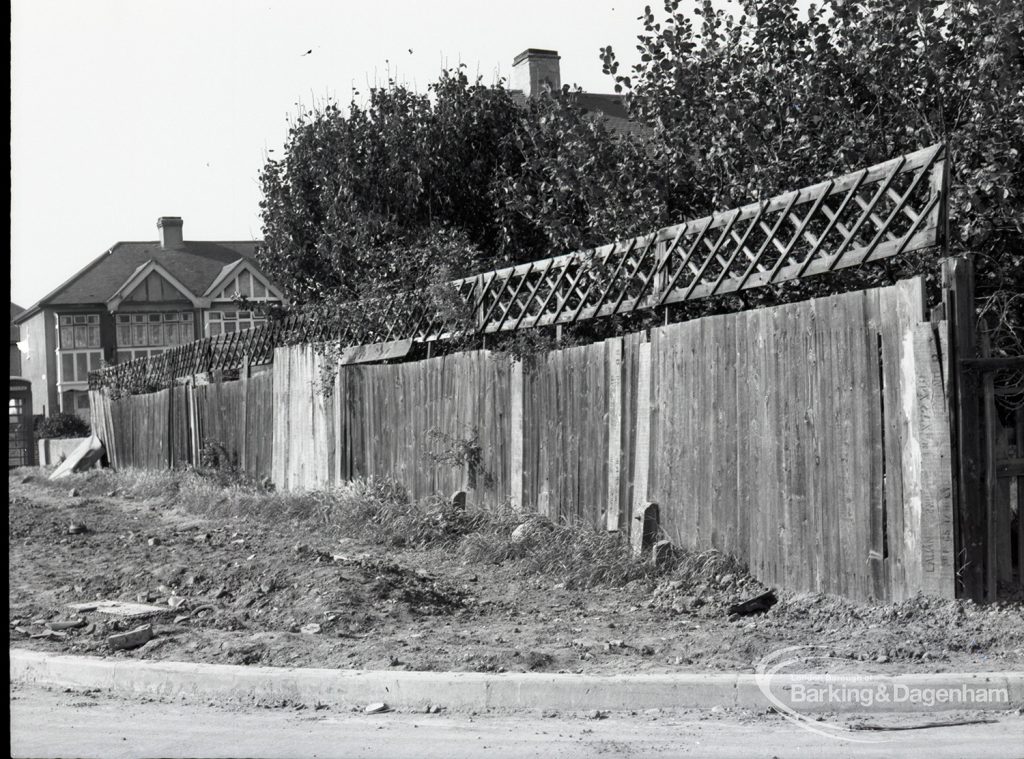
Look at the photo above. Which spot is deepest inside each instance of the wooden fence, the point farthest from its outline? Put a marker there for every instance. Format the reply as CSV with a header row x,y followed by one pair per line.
x,y
170,428
438,425
810,440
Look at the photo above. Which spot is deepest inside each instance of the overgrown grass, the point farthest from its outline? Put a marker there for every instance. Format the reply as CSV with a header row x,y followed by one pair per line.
x,y
380,511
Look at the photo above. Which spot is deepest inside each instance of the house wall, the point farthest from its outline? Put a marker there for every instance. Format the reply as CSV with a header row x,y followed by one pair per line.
x,y
15,362
39,361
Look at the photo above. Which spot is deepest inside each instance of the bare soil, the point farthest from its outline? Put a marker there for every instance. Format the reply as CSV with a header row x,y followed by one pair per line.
x,y
247,589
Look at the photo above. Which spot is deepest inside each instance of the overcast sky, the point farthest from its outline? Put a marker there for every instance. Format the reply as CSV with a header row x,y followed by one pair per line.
x,y
127,110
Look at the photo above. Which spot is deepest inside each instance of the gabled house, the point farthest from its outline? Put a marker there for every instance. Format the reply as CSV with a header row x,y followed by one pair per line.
x,y
136,299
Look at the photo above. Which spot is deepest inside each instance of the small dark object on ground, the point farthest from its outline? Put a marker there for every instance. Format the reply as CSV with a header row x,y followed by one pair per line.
x,y
756,605
77,528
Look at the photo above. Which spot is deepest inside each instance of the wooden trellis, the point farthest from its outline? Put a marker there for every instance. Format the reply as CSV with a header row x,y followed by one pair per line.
x,y
865,216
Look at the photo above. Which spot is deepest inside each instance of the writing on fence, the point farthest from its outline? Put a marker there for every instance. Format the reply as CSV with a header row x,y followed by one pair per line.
x,y
871,214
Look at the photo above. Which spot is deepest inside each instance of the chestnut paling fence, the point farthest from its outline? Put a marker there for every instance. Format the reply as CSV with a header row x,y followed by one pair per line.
x,y
864,216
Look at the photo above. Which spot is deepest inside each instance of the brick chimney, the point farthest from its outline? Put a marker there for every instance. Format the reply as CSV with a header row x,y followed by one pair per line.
x,y
535,71
170,231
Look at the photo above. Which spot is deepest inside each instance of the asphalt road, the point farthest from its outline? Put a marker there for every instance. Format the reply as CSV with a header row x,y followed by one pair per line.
x,y
48,723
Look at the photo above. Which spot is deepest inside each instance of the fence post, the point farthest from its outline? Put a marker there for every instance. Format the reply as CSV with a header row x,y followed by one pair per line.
x,y
243,453
1019,435
170,425
958,299
614,432
642,462
516,474
193,422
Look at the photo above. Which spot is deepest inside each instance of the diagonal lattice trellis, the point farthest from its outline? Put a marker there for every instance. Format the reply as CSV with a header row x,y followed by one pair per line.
x,y
874,213
870,214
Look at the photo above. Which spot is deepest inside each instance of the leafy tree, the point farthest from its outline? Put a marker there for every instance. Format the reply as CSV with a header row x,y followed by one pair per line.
x,y
364,198
773,100
413,190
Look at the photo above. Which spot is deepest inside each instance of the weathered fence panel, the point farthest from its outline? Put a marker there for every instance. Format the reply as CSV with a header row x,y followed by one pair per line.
x,y
809,439
565,448
169,428
438,425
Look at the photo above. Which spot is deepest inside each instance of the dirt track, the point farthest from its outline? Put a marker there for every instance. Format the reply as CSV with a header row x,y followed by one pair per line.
x,y
247,589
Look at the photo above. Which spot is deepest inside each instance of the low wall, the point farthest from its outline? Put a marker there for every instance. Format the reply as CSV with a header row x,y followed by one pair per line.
x,y
52,451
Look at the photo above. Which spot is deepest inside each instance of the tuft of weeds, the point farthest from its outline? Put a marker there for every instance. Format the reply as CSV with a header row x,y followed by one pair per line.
x,y
703,568
579,556
381,511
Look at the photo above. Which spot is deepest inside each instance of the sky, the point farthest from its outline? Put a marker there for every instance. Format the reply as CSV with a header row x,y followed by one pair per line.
x,y
123,111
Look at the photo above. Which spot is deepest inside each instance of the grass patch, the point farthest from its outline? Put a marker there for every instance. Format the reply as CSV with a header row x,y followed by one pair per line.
x,y
380,511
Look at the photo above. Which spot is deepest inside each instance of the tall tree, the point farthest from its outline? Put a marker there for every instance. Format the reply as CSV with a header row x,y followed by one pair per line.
x,y
774,99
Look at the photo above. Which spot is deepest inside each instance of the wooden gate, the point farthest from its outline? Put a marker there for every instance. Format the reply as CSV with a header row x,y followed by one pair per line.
x,y
988,446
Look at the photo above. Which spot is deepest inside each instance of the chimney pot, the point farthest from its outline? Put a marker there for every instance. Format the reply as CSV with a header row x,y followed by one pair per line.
x,y
535,71
170,231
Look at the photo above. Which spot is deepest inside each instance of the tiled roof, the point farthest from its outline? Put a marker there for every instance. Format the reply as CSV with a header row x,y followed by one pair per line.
x,y
611,109
195,264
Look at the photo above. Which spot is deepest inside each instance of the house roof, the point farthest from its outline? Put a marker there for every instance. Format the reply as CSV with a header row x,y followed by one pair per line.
x,y
15,332
611,109
195,264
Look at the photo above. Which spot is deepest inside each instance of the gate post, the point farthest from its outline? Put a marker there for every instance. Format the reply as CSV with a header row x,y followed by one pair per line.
x,y
965,420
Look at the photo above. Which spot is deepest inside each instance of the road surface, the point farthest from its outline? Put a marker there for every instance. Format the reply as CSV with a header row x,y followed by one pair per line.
x,y
54,723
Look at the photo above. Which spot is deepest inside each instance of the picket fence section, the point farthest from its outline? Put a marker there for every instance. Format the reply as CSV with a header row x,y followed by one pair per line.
x,y
809,440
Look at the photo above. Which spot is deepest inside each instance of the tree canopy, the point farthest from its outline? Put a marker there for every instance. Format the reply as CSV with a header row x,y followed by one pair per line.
x,y
411,189
773,100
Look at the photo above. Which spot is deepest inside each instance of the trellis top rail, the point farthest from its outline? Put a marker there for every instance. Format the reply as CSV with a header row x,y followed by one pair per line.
x,y
866,215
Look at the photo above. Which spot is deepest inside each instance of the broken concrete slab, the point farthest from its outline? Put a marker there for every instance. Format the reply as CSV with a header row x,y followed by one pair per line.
x,y
82,458
126,609
131,639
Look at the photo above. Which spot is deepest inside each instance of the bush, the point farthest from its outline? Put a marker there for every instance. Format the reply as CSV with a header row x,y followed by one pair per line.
x,y
62,425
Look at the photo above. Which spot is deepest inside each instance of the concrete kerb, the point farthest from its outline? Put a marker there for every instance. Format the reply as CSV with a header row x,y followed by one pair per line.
x,y
464,691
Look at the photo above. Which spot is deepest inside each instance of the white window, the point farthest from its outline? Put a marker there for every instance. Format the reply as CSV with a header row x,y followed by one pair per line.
x,y
76,365
221,322
79,331
127,355
165,328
